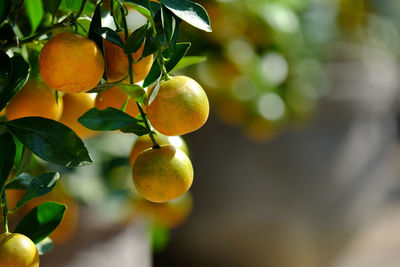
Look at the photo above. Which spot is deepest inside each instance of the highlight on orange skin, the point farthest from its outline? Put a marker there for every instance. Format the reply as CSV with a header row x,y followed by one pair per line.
x,y
71,63
75,105
162,174
115,98
180,107
17,250
35,99
144,142
117,63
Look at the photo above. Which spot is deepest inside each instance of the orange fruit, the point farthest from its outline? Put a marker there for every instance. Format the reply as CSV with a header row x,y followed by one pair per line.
x,y
162,174
3,112
180,107
35,99
17,250
261,130
71,63
116,98
117,63
169,214
144,142
75,105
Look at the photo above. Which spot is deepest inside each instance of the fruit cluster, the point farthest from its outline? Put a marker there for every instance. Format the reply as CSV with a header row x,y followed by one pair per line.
x,y
87,77
162,172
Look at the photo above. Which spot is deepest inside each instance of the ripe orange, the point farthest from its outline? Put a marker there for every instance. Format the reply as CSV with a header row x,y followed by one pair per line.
x,y
261,130
116,98
169,214
117,64
17,250
162,174
144,142
71,63
75,105
180,107
35,99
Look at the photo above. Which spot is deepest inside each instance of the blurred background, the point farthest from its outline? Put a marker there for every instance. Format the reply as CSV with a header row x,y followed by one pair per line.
x,y
297,166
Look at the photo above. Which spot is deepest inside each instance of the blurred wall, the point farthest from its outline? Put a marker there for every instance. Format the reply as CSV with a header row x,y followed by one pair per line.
x,y
298,200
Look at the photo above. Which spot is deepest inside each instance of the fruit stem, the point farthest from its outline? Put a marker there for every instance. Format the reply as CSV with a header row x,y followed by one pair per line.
x,y
35,36
130,59
5,211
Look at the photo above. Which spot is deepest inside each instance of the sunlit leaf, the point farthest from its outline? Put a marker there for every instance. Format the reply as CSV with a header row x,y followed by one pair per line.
x,y
41,221
18,79
50,140
189,11
39,186
34,9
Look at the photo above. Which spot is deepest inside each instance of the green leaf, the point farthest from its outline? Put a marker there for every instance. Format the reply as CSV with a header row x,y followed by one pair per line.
x,y
102,87
175,36
7,155
155,72
135,40
188,61
25,160
5,6
51,6
7,33
6,69
177,54
96,23
44,246
21,182
109,119
34,9
133,90
160,237
74,5
150,45
110,35
191,12
168,23
39,186
19,77
50,140
83,24
135,128
143,8
41,221
154,91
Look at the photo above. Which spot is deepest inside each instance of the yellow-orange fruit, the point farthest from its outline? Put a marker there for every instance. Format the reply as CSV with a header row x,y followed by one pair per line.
x,y
116,98
35,99
162,174
71,63
75,105
180,107
3,113
261,130
144,142
117,64
169,214
17,250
